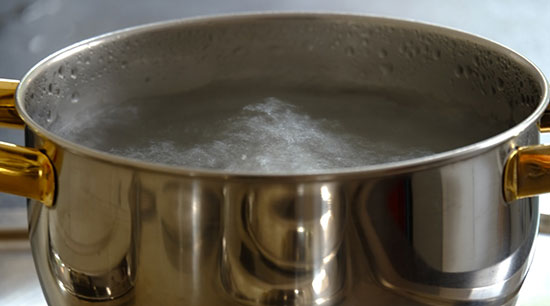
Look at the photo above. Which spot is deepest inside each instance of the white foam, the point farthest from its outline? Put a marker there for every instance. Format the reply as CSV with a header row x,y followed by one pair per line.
x,y
270,136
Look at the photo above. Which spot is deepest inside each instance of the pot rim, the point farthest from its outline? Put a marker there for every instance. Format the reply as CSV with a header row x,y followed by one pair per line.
x,y
390,168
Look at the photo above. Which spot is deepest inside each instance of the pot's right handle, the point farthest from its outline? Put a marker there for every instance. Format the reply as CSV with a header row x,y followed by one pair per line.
x,y
527,171
23,171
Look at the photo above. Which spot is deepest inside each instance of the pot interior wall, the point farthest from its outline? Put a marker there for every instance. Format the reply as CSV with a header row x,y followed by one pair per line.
x,y
483,89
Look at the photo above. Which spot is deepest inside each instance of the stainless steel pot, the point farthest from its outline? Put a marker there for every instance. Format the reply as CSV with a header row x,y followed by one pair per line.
x,y
453,228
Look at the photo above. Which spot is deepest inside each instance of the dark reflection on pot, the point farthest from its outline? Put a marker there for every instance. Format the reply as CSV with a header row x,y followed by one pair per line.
x,y
92,250
285,244
436,235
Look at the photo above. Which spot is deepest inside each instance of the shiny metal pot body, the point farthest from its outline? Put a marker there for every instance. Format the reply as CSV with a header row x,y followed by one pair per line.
x,y
128,235
434,230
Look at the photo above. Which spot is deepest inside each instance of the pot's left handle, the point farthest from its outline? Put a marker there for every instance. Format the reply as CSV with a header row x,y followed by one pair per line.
x,y
24,171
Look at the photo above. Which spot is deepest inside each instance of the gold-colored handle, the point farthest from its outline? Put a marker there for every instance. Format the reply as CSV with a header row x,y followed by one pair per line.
x,y
8,113
23,171
527,172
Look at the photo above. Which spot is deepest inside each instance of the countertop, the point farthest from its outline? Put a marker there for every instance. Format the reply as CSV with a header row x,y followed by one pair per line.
x,y
32,29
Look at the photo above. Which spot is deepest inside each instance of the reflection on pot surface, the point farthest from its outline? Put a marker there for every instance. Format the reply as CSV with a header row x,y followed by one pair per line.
x,y
284,244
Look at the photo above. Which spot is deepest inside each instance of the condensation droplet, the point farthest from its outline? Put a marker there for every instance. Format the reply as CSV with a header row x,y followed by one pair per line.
x,y
467,71
436,55
350,51
49,118
73,73
477,61
500,84
123,64
60,72
459,71
50,88
74,97
382,53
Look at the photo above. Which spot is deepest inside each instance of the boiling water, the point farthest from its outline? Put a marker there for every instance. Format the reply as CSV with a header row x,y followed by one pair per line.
x,y
275,132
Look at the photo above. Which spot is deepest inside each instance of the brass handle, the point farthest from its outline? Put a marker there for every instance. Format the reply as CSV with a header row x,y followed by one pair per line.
x,y
23,171
527,172
8,113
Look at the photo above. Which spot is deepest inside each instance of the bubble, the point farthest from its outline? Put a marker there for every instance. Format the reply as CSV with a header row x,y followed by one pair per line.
x,y
459,71
436,55
500,84
468,72
75,97
60,72
49,118
74,72
477,61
